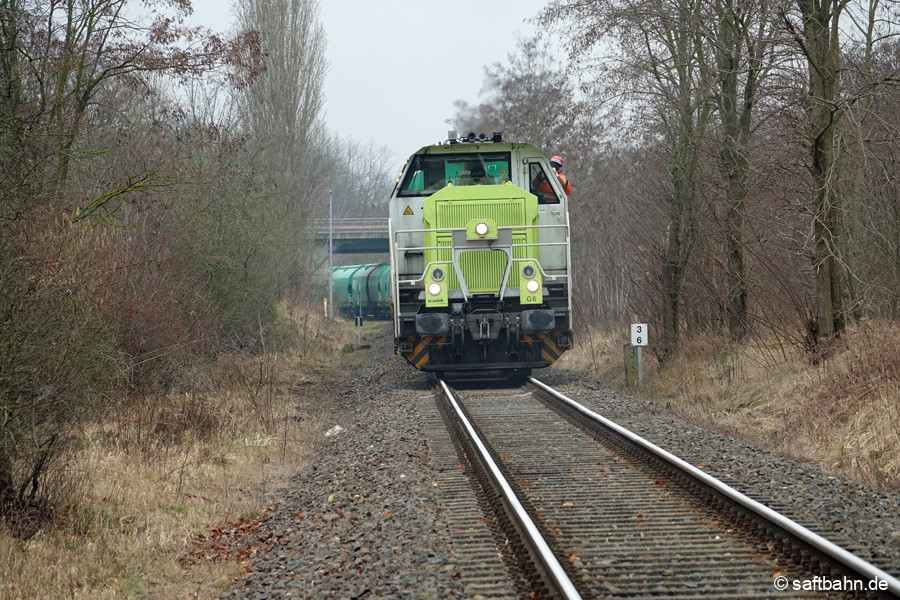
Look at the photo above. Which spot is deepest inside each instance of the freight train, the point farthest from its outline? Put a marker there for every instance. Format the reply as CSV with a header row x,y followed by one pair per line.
x,y
480,259
362,291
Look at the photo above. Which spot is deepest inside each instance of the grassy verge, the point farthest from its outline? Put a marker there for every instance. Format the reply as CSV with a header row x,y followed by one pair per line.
x,y
842,414
154,475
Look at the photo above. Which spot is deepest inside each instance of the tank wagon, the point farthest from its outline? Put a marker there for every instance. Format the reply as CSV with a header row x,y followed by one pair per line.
x,y
480,258
362,290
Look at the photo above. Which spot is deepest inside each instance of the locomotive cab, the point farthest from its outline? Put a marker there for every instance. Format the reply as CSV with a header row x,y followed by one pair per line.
x,y
481,266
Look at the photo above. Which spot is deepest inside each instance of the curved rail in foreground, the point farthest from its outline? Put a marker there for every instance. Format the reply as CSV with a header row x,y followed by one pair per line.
x,y
814,541
554,576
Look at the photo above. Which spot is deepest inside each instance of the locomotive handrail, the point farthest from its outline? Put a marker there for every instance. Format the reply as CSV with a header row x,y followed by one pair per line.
x,y
396,249
433,262
398,232
438,229
352,224
539,244
544,273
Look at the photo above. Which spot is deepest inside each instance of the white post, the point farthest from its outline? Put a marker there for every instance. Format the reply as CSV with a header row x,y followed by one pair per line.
x,y
638,341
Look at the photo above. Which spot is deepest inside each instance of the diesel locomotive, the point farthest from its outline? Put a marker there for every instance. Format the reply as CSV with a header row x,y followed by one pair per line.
x,y
481,269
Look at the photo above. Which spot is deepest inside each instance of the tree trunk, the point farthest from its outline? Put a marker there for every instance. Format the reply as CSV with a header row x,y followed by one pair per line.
x,y
821,33
733,159
735,167
683,225
854,228
895,300
671,290
735,214
12,127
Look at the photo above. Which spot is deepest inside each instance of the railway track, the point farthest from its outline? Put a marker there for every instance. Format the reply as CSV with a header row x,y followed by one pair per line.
x,y
582,508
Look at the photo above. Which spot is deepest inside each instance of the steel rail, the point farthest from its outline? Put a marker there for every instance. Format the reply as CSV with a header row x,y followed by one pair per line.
x,y
554,575
813,540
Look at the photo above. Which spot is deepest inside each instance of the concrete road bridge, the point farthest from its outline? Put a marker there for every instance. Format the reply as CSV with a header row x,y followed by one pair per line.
x,y
355,235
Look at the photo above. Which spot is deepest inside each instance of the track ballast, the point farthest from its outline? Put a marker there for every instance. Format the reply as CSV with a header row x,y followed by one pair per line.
x,y
627,520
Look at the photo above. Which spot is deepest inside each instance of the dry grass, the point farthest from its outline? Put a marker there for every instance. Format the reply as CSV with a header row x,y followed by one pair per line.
x,y
599,354
842,414
157,473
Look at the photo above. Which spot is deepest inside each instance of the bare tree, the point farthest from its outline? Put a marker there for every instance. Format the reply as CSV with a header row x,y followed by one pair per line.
x,y
69,152
816,29
660,58
57,56
742,36
530,97
360,177
282,109
819,34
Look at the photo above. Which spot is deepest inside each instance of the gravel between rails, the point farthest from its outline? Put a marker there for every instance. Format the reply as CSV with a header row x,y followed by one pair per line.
x,y
364,518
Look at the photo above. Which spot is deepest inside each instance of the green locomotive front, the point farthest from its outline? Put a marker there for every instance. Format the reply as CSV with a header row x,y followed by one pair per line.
x,y
480,260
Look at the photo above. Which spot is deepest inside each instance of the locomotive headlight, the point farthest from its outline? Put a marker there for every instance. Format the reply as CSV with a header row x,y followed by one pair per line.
x,y
530,282
435,290
481,229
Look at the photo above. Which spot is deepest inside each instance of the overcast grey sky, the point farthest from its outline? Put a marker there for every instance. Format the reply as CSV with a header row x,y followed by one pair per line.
x,y
396,66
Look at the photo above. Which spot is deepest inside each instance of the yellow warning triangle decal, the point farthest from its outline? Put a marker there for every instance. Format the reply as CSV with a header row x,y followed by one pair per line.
x,y
408,211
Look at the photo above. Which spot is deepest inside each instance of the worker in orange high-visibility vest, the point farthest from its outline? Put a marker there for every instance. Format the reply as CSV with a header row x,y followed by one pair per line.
x,y
556,163
542,185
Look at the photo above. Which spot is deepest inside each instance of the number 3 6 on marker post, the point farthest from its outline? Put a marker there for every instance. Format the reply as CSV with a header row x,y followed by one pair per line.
x,y
638,334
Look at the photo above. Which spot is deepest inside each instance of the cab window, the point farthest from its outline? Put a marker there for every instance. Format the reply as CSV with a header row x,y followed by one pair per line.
x,y
540,184
427,173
